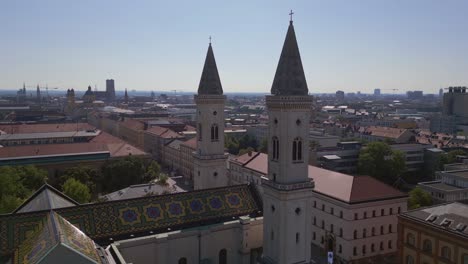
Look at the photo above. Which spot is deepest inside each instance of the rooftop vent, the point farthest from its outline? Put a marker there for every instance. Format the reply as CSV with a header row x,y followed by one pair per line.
x,y
431,218
446,222
460,227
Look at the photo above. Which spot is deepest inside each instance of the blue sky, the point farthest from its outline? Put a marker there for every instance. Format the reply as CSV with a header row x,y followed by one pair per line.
x,y
161,45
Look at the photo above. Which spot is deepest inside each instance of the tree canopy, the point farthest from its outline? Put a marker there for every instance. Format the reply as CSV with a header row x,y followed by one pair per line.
x,y
76,190
17,184
419,198
378,160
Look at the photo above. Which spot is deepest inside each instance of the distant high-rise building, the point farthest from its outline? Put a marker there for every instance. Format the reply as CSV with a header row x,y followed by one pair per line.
x,y
340,95
455,102
414,95
377,92
38,94
110,90
441,92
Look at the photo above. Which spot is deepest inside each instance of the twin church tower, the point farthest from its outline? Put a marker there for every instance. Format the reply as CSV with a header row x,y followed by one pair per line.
x,y
288,190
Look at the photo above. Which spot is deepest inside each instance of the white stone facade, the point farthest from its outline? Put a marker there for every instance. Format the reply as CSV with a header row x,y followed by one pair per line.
x,y
210,159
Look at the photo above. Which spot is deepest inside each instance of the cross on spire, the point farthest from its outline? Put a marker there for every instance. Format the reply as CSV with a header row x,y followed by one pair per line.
x,y
290,15
210,40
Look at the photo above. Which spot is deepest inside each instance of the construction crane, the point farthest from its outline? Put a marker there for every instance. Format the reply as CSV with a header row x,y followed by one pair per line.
x,y
394,90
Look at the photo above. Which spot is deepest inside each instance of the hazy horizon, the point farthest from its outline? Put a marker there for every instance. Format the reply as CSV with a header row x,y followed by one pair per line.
x,y
153,45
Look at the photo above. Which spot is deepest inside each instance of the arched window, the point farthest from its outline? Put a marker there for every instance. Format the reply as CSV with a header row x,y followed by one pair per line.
x,y
183,261
427,246
355,234
199,132
364,233
409,259
373,231
389,228
297,149
223,256
275,143
214,132
381,230
389,244
446,253
410,239
341,232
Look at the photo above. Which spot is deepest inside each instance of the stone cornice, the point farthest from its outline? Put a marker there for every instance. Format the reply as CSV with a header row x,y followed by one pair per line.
x,y
303,102
209,99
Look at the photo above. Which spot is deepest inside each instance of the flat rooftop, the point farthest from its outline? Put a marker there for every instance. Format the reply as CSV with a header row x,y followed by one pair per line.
x,y
441,186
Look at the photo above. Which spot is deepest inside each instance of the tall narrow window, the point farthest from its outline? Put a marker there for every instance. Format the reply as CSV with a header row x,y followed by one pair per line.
x,y
214,132
297,149
199,132
275,143
223,256
297,238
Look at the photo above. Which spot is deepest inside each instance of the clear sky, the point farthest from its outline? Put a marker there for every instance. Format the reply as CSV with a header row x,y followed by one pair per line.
x,y
161,45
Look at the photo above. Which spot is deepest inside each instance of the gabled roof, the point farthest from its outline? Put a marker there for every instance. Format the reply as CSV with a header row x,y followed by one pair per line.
x,y
346,188
139,216
56,239
191,143
46,198
290,78
210,82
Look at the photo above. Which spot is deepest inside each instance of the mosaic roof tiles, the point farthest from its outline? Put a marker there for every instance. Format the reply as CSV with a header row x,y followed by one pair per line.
x,y
139,216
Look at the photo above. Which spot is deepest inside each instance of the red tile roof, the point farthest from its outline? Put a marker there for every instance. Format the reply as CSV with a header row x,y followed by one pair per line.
x,y
347,188
191,143
244,159
102,142
163,132
388,132
44,128
50,149
133,124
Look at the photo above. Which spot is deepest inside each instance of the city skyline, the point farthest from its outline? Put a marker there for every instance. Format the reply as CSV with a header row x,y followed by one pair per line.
x,y
157,46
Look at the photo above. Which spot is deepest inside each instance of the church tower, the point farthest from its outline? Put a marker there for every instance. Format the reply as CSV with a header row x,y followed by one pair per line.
x,y
288,192
209,158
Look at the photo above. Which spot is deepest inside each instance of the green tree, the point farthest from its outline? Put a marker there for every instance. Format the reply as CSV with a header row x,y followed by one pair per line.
x,y
263,146
231,144
152,171
398,164
419,198
121,173
32,177
372,160
86,175
17,184
76,190
244,151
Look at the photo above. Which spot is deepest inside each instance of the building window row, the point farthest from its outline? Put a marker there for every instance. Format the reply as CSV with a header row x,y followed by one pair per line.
x,y
373,233
332,210
372,248
374,213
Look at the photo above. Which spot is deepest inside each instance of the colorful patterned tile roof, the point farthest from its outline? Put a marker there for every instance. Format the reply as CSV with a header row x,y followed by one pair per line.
x,y
139,216
55,232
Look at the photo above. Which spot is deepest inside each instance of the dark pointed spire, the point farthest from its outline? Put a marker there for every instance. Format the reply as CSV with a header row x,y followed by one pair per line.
x,y
290,78
210,82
